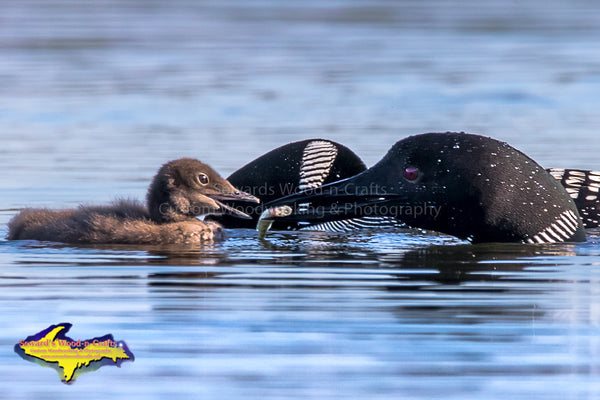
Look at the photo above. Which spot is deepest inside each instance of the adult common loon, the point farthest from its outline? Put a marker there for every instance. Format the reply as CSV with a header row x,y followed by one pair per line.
x,y
312,163
181,191
286,170
469,186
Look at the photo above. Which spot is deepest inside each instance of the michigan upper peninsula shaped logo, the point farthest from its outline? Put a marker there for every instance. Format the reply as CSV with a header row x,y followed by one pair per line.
x,y
53,348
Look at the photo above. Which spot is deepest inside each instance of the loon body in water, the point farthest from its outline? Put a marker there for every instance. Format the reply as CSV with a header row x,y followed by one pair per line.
x,y
315,162
291,168
469,186
181,191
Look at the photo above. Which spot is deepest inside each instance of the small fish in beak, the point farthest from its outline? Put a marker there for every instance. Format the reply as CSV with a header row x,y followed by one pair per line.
x,y
267,217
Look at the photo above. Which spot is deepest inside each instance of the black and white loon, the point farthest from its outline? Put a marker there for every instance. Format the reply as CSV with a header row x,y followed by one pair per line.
x,y
465,185
292,168
312,163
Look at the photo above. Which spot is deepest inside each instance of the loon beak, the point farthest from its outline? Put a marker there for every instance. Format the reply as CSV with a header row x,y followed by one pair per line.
x,y
354,197
235,195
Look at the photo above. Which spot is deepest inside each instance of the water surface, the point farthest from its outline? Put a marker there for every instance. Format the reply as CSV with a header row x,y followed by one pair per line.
x,y
96,95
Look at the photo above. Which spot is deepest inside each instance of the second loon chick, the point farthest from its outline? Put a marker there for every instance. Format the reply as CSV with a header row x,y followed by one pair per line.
x,y
181,191
469,186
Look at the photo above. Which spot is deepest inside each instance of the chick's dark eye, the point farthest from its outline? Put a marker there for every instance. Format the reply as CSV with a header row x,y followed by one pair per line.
x,y
203,179
411,174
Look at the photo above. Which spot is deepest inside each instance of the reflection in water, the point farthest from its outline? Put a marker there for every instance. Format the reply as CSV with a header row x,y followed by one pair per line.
x,y
425,315
405,310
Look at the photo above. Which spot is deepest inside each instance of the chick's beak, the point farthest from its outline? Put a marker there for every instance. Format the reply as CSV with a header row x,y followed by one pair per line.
x,y
232,195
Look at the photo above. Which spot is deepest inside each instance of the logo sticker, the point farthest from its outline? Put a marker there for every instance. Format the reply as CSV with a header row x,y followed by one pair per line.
x,y
71,358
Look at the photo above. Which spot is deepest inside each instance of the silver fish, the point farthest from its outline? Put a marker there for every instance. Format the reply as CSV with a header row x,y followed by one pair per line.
x,y
266,218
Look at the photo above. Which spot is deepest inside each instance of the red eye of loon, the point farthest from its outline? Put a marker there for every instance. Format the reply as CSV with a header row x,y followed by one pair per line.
x,y
411,174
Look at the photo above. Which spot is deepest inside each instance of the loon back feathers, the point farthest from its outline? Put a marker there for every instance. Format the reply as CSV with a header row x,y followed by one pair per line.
x,y
583,186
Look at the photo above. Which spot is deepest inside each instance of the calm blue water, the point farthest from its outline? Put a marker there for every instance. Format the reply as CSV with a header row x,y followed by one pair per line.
x,y
96,95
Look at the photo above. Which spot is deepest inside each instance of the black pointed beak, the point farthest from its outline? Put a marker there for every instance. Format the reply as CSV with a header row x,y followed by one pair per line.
x,y
236,195
350,198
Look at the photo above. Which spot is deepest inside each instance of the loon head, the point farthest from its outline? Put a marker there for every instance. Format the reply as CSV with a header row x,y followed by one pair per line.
x,y
288,169
186,188
465,185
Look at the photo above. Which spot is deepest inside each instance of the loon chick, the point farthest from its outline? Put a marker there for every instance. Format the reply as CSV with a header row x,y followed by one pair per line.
x,y
287,170
469,186
181,191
